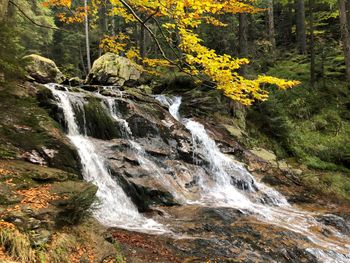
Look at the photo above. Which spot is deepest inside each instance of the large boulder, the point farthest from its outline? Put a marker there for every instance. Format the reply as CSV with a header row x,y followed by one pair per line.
x,y
42,70
111,69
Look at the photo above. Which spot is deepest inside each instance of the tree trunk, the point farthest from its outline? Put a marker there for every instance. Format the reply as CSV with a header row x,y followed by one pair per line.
x,y
345,37
300,26
271,25
237,110
113,26
312,44
142,42
82,61
87,40
3,9
243,39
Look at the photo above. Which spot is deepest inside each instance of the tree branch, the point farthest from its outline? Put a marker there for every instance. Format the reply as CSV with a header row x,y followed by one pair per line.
x,y
131,10
150,16
154,37
33,21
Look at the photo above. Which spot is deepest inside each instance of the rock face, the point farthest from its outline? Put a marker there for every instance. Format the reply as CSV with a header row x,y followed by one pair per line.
x,y
111,69
42,70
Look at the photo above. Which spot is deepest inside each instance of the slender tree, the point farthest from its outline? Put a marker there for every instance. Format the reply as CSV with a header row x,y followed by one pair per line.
x,y
271,24
87,39
312,43
243,39
345,37
300,26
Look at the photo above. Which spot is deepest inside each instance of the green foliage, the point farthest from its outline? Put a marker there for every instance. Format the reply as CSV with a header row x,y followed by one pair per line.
x,y
10,51
308,123
34,38
119,258
78,207
333,184
19,36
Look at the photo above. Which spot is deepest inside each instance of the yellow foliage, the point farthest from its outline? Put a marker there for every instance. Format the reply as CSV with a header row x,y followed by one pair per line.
x,y
182,17
115,44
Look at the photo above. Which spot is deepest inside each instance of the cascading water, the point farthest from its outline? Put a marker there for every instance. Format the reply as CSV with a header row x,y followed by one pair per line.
x,y
221,180
115,208
225,173
114,113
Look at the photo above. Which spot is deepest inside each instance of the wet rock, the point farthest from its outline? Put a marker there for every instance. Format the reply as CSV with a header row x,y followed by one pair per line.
x,y
42,70
141,127
34,157
91,88
50,153
111,69
75,81
96,121
336,221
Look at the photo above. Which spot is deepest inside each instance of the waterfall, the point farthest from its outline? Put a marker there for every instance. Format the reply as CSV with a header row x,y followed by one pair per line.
x,y
221,180
115,115
226,173
114,207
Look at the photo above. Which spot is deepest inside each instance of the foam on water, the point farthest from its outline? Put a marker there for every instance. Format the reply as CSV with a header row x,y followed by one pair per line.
x,y
276,211
115,209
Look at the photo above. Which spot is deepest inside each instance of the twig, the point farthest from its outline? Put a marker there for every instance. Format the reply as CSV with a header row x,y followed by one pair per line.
x,y
32,21
151,16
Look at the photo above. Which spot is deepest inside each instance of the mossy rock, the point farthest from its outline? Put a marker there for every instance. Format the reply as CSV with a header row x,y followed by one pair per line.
x,y
42,70
95,121
27,127
75,204
111,69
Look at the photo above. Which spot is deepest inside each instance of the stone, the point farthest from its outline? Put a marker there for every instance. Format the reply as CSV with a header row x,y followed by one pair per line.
x,y
234,131
40,237
336,221
266,155
34,157
42,70
111,69
75,81
7,196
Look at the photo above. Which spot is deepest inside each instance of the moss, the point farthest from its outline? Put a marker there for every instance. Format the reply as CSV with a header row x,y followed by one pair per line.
x,y
97,121
78,203
26,127
335,185
119,258
6,153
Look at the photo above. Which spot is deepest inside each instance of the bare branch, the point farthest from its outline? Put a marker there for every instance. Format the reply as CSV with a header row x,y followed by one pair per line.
x,y
150,16
154,37
33,21
131,10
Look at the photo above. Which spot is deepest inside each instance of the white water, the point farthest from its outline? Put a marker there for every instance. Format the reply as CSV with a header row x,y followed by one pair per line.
x,y
114,208
223,193
114,113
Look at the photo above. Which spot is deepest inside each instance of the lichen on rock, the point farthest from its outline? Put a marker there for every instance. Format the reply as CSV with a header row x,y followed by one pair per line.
x,y
111,69
42,70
